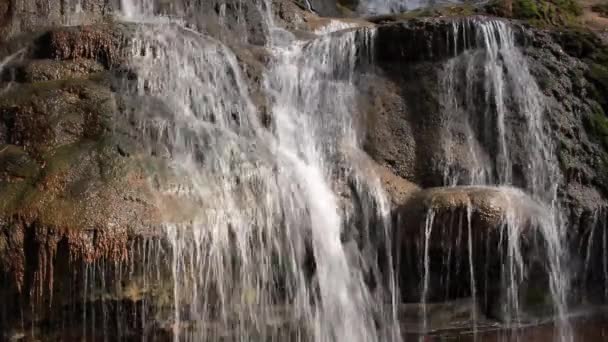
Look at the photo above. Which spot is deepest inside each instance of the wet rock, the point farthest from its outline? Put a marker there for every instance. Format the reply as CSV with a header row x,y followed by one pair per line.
x,y
16,163
426,39
43,116
445,233
398,189
106,44
322,7
562,61
488,207
52,70
399,133
72,204
23,16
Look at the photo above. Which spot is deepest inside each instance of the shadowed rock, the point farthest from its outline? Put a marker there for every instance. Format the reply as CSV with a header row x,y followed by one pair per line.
x,y
445,233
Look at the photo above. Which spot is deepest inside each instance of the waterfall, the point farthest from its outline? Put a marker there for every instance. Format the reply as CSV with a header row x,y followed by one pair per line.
x,y
377,7
389,6
260,244
311,128
483,129
137,9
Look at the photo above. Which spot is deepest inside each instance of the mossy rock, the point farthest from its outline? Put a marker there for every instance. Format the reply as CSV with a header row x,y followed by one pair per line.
x,y
15,163
538,12
598,74
579,43
597,124
45,115
526,9
62,155
51,70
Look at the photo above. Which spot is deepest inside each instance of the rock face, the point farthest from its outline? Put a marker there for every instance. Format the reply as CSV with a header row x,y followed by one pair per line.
x,y
74,189
23,16
457,230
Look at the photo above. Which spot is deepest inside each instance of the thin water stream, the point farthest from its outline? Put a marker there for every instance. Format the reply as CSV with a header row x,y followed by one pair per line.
x,y
493,65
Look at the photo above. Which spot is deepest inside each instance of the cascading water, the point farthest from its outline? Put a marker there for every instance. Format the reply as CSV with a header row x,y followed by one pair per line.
x,y
488,96
318,128
377,7
260,251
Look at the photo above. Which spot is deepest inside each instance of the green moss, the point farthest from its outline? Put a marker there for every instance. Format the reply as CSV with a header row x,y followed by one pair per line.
x,y
585,45
12,194
540,13
525,9
15,162
597,124
598,75
571,7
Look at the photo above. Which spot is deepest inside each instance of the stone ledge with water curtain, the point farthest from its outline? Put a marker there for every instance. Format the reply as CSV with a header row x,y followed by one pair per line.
x,y
229,170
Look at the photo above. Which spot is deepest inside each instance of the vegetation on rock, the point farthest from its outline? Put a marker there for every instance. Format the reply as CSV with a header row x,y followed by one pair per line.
x,y
538,12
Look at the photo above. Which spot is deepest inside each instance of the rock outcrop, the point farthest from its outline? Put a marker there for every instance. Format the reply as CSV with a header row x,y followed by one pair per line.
x,y
457,230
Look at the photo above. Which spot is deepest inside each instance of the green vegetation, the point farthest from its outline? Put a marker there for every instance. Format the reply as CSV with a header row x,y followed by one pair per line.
x,y
525,9
597,124
538,12
598,74
583,44
571,7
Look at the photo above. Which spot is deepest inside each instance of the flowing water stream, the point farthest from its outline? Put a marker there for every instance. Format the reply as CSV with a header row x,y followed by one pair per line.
x,y
510,112
267,249
263,253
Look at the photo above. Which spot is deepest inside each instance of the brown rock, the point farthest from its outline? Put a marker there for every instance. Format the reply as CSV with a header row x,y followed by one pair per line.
x,y
103,43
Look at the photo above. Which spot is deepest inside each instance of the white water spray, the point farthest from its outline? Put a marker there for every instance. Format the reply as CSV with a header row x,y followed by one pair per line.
x,y
491,64
261,202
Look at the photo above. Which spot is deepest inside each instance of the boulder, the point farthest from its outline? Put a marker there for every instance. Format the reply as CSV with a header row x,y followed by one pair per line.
x,y
457,230
488,207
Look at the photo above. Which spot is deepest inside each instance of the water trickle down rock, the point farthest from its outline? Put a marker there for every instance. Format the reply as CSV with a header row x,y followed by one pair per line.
x,y
482,133
263,243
